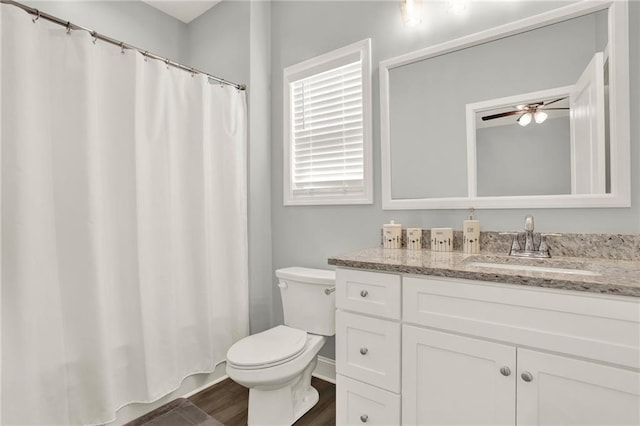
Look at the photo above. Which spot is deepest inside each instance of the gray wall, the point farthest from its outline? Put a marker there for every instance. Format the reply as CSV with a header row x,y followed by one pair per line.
x,y
232,40
218,41
133,22
510,158
307,236
260,262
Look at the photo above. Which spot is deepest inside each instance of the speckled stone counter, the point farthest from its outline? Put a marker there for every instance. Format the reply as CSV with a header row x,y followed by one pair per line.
x,y
617,277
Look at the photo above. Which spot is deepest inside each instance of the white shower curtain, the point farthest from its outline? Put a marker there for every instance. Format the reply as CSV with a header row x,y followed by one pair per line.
x,y
124,246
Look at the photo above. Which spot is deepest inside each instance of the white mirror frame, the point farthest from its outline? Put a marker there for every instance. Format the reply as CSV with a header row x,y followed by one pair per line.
x,y
618,34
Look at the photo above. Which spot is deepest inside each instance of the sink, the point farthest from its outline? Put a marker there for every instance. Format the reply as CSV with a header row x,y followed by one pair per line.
x,y
532,268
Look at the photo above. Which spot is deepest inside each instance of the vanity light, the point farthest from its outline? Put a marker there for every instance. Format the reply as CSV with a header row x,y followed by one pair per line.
x,y
525,119
540,116
456,7
410,10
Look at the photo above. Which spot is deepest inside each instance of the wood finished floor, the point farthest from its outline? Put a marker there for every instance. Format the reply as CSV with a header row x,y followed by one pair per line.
x,y
227,402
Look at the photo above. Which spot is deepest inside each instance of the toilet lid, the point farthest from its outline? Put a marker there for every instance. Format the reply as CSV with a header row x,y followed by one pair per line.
x,y
268,348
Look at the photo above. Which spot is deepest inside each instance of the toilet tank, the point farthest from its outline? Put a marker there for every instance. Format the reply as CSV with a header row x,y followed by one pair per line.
x,y
305,304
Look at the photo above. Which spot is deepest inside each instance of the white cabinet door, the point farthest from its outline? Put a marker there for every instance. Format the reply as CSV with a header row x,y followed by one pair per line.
x,y
454,380
560,390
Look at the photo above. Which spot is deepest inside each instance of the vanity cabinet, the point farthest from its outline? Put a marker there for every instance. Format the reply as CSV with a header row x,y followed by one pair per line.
x,y
471,352
462,380
368,343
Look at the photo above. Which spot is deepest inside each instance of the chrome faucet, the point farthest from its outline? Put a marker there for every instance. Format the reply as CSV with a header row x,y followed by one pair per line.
x,y
528,233
529,242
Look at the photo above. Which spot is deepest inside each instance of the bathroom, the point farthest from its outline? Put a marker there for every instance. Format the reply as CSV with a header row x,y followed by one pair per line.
x,y
251,43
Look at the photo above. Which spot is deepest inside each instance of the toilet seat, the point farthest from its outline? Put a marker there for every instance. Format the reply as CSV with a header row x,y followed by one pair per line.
x,y
270,348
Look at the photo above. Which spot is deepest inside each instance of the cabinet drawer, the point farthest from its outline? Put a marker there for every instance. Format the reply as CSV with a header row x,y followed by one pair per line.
x,y
370,293
594,326
368,349
358,403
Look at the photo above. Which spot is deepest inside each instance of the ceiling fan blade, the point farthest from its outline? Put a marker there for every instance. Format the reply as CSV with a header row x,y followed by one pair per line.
x,y
544,105
551,109
500,115
529,106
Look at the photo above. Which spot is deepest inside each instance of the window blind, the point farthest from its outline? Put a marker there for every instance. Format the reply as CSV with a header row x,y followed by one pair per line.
x,y
327,155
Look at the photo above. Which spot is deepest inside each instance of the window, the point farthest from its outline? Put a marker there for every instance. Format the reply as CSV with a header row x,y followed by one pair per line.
x,y
327,128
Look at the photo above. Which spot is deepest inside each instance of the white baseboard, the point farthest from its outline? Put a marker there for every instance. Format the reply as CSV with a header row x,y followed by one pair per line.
x,y
211,383
325,370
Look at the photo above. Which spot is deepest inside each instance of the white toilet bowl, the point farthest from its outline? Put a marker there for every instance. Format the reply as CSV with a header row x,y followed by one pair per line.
x,y
280,392
276,365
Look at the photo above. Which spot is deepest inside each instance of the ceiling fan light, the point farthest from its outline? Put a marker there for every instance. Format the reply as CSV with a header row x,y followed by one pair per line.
x,y
540,116
525,119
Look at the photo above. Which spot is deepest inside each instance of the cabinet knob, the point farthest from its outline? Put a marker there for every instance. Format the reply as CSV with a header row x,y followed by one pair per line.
x,y
364,293
505,371
363,351
526,376
364,418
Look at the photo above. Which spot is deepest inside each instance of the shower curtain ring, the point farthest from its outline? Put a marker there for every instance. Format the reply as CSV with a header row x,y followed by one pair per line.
x,y
95,36
122,47
193,72
68,27
37,16
145,55
166,61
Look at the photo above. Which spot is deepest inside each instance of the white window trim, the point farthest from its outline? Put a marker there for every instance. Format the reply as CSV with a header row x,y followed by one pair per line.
x,y
361,49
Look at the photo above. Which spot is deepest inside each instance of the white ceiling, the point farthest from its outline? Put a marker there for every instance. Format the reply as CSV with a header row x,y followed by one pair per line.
x,y
184,10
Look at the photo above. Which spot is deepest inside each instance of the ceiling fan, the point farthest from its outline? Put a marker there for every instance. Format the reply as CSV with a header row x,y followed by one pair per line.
x,y
528,112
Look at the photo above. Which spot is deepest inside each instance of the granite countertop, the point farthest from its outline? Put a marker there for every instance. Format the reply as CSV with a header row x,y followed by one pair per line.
x,y
610,276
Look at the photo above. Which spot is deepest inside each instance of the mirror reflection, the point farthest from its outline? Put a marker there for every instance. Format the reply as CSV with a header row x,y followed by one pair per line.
x,y
560,132
545,89
514,144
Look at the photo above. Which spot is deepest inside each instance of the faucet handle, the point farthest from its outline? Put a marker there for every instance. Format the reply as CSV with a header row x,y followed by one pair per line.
x,y
515,244
544,248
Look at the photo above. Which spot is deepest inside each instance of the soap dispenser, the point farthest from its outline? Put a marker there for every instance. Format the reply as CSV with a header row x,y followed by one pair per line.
x,y
471,234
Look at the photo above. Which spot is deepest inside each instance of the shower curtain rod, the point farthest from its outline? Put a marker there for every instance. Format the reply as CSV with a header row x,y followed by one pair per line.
x,y
71,26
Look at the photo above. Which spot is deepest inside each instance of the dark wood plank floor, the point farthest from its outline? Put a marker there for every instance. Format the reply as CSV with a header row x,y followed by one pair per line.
x,y
227,402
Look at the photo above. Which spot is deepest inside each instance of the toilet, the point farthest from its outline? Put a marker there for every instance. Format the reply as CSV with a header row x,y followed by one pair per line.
x,y
276,364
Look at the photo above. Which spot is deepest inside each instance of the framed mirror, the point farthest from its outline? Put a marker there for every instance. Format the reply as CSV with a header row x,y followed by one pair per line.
x,y
531,114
